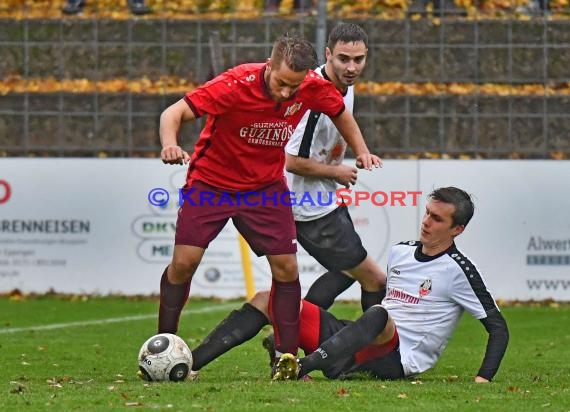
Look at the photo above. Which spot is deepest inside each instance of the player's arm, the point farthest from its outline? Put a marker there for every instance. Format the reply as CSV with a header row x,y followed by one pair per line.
x,y
350,131
497,342
309,167
170,121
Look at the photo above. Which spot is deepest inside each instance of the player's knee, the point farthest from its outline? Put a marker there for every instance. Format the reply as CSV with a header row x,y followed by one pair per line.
x,y
182,271
369,275
378,310
284,269
261,301
376,318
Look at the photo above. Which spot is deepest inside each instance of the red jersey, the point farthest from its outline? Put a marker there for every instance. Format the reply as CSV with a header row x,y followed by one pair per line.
x,y
241,146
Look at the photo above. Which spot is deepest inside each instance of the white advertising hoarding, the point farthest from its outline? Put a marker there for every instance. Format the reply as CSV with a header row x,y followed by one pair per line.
x,y
87,225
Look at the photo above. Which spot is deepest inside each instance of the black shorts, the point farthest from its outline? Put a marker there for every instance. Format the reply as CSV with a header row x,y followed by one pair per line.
x,y
332,240
382,362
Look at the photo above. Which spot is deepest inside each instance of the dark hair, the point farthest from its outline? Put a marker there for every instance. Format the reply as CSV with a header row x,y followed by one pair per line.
x,y
346,32
464,207
296,51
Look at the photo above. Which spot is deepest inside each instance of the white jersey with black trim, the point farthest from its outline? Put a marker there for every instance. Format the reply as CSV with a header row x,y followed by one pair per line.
x,y
316,137
426,296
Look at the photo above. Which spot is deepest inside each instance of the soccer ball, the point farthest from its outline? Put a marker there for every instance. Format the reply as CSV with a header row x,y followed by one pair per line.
x,y
165,357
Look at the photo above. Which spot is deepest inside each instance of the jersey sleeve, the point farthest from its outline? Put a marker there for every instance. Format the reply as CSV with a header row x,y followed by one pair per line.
x,y
214,97
469,290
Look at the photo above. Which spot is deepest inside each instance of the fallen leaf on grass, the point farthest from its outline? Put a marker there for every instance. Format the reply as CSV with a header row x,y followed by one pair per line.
x,y
342,392
403,396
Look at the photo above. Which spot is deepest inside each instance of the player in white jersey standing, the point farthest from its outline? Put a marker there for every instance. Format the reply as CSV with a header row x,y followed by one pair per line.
x,y
314,156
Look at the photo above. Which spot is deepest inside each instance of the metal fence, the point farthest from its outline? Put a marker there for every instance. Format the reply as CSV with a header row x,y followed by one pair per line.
x,y
493,88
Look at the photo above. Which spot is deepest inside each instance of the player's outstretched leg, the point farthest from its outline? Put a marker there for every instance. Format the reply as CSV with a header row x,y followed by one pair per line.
x,y
347,341
238,327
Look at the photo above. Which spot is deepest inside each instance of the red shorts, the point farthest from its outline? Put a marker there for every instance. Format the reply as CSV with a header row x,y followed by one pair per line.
x,y
316,322
263,217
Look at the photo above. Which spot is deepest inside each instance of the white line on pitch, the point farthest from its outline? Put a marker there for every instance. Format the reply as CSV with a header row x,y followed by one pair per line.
x,y
208,309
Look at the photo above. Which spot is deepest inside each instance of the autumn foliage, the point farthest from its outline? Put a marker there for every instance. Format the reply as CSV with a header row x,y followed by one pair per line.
x,y
189,9
38,81
173,85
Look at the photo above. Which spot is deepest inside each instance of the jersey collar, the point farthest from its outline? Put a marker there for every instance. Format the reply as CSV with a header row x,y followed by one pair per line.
x,y
421,257
326,77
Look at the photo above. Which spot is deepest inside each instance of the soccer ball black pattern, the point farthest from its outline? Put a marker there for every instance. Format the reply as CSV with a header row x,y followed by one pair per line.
x,y
165,357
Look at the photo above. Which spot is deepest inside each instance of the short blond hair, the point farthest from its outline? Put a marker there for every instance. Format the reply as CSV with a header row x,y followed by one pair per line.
x,y
295,51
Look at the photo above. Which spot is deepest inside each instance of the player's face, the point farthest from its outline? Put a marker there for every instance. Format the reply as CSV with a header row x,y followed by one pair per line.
x,y
437,231
347,61
282,82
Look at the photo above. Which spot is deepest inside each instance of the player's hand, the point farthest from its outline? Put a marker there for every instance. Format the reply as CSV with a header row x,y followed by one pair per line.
x,y
367,161
480,379
174,155
346,175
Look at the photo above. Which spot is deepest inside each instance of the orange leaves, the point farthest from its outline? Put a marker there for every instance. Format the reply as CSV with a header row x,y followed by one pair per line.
x,y
215,9
342,392
172,84
164,85
429,88
119,10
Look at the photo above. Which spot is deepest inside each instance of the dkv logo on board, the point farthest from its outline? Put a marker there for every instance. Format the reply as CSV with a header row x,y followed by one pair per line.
x,y
157,237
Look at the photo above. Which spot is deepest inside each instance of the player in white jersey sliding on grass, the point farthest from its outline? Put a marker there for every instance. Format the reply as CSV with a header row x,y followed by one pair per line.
x,y
430,284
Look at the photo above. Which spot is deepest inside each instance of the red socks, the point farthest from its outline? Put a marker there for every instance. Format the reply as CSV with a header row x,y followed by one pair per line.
x,y
172,301
284,305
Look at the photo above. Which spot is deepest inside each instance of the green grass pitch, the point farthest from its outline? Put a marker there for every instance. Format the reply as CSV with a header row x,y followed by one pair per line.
x,y
80,354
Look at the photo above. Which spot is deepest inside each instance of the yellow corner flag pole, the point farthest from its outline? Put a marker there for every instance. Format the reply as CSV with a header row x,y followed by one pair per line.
x,y
246,266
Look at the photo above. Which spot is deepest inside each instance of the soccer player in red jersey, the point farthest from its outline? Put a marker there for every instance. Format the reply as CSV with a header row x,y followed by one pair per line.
x,y
251,112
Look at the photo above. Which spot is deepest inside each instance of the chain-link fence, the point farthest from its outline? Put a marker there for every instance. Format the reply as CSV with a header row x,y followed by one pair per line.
x,y
96,86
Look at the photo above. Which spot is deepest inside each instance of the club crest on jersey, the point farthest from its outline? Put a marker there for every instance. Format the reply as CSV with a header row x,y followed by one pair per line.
x,y
294,108
425,287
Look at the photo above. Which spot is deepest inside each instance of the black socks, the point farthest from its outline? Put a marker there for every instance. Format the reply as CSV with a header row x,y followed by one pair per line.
x,y
238,327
